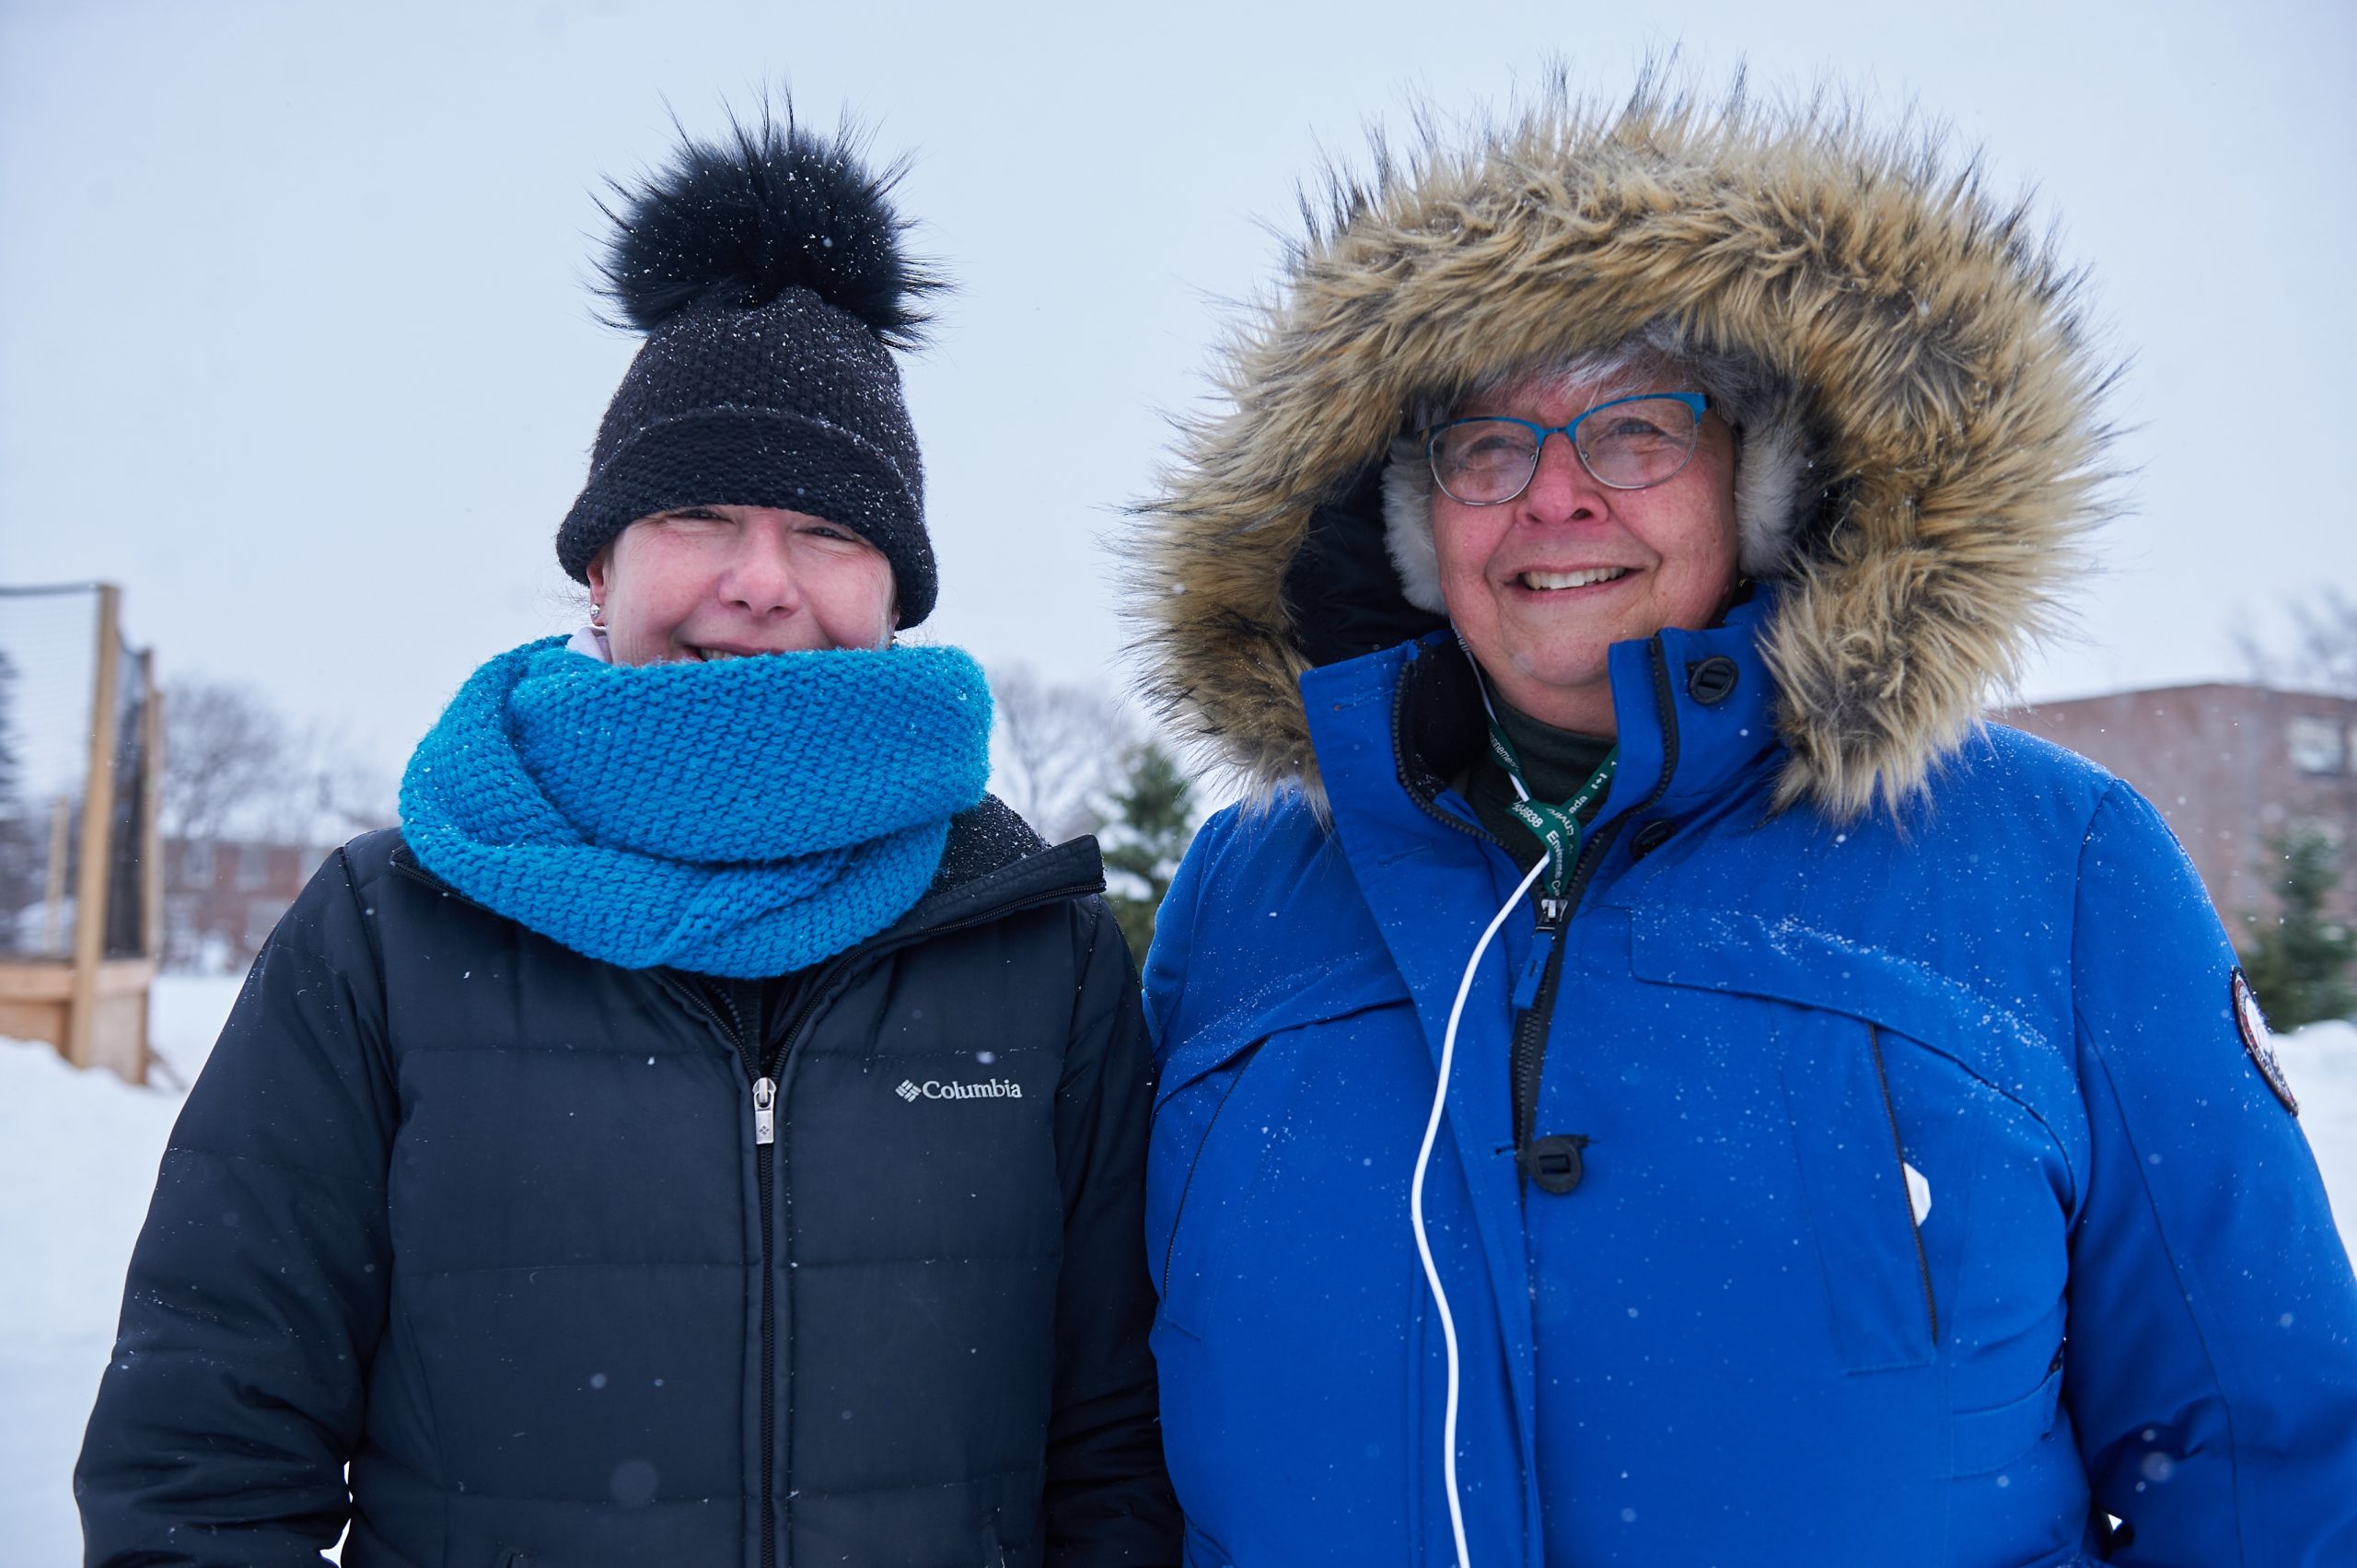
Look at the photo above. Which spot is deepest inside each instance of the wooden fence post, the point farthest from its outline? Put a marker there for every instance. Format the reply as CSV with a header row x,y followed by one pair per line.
x,y
151,800
97,816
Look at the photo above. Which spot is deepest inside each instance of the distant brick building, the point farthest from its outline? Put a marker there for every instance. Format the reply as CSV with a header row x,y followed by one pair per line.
x,y
221,898
2230,767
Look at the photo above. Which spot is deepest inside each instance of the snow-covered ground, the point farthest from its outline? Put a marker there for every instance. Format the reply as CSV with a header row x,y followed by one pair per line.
x,y
2322,1063
77,1159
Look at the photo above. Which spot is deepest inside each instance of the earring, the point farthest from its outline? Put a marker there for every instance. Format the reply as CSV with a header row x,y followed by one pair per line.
x,y
597,616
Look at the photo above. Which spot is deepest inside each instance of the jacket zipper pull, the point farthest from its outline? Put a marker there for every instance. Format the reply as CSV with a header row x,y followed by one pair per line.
x,y
1525,990
764,1113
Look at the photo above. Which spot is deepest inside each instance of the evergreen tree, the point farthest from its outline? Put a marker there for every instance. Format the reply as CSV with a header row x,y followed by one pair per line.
x,y
1145,843
2299,966
11,773
20,839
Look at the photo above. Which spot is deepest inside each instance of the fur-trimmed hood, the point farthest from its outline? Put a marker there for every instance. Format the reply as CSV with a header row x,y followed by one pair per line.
x,y
1936,384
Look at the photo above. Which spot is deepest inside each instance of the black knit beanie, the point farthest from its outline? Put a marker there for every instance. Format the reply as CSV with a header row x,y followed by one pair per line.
x,y
768,275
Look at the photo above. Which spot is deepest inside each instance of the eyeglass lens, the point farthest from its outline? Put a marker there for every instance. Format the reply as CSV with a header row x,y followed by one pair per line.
x,y
1627,445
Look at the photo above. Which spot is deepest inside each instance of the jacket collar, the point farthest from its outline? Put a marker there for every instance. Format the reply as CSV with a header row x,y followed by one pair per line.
x,y
1695,711
993,865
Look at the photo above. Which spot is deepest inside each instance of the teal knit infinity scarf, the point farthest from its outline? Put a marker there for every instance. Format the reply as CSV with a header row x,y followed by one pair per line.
x,y
747,818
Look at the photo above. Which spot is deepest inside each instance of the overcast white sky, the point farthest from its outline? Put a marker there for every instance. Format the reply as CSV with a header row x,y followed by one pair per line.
x,y
295,343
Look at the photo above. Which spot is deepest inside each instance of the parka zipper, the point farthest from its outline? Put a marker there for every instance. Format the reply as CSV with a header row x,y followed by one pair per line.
x,y
764,1166
1534,993
761,1073
764,1177
1534,1005
1526,1062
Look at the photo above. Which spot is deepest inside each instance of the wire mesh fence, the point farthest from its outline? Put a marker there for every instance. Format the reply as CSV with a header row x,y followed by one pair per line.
x,y
79,736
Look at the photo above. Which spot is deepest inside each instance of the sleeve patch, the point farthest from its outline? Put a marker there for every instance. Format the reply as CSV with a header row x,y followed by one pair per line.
x,y
2259,1042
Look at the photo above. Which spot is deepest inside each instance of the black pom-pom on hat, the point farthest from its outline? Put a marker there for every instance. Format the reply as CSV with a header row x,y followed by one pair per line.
x,y
774,207
770,274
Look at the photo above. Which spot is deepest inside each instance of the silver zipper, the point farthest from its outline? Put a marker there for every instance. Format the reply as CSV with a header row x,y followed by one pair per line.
x,y
764,1111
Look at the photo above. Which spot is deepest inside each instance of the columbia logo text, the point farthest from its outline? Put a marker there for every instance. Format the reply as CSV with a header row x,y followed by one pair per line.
x,y
933,1088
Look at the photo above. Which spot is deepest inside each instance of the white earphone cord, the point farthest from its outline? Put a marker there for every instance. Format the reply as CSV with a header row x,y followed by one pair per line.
x,y
1416,1206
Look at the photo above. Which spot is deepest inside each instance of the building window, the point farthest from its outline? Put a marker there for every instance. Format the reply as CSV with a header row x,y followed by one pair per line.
x,y
2315,744
253,866
196,863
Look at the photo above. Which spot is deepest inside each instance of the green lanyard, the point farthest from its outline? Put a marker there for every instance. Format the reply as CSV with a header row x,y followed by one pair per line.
x,y
1557,827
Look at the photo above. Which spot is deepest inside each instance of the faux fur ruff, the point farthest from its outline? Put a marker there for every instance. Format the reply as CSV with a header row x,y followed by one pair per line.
x,y
1942,377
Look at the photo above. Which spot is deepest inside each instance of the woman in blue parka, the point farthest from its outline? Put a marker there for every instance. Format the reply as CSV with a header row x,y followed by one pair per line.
x,y
1648,1075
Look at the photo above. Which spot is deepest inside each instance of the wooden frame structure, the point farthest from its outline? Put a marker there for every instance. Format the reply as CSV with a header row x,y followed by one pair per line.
x,y
91,1007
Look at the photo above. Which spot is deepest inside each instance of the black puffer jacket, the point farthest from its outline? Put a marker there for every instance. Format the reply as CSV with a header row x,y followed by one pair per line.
x,y
492,1222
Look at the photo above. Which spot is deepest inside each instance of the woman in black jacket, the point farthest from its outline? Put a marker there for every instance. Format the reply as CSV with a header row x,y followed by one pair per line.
x,y
710,1129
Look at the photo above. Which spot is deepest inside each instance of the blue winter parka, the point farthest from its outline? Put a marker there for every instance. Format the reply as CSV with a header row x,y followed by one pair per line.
x,y
2115,1288
1877,1159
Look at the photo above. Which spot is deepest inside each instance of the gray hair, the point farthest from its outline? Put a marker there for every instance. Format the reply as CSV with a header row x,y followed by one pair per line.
x,y
1772,461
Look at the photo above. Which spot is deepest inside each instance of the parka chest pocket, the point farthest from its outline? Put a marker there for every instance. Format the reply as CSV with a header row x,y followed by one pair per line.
x,y
1933,1137
1866,1198
1185,1119
1223,1125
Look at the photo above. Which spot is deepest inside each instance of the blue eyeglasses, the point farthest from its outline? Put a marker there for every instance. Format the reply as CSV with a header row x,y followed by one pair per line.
x,y
1639,441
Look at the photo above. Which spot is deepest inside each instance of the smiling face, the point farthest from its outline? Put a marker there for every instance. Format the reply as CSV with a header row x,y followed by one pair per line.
x,y
1541,586
718,581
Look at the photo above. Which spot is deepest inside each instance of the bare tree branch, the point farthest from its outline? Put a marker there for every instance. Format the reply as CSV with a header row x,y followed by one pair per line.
x,y
234,769
225,756
1057,751
2321,654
